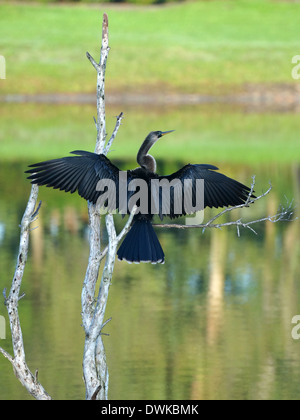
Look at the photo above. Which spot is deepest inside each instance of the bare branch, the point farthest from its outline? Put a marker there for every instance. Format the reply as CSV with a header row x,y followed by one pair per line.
x,y
123,231
96,326
283,214
106,322
7,355
249,201
115,132
21,369
91,276
128,224
88,291
104,39
93,62
95,370
252,191
100,68
94,361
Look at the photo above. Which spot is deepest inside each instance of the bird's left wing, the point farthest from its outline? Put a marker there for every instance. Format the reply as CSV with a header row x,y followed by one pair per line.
x,y
219,190
79,173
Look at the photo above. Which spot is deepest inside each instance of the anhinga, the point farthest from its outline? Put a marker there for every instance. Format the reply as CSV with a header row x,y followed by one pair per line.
x,y
82,173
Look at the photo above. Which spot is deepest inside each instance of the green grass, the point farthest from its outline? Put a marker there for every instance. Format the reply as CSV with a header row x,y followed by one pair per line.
x,y
204,134
204,47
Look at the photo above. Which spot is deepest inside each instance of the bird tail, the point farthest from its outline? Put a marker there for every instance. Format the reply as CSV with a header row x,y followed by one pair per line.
x,y
141,244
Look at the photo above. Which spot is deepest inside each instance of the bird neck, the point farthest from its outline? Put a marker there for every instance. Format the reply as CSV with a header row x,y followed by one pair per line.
x,y
148,162
145,160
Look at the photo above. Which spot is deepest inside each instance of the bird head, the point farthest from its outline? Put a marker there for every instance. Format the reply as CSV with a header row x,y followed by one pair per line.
x,y
152,138
143,158
160,134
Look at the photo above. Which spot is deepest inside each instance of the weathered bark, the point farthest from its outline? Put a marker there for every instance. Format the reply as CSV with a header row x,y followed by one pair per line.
x,y
95,371
18,360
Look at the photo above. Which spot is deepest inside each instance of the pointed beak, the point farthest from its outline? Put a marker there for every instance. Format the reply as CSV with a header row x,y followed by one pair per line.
x,y
166,132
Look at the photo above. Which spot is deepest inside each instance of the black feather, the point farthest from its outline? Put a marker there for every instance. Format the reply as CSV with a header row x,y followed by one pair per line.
x,y
83,171
141,244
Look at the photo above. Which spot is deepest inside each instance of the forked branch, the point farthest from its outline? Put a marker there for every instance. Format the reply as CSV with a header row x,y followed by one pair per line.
x,y
95,370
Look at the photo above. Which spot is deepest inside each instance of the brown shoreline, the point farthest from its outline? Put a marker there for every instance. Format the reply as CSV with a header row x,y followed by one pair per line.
x,y
261,98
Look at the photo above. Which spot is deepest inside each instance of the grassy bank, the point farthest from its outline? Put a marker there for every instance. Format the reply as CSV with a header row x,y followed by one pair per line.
x,y
209,134
205,47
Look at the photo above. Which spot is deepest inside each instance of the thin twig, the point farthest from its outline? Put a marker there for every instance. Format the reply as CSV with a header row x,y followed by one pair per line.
x,y
7,355
283,214
123,231
115,132
95,65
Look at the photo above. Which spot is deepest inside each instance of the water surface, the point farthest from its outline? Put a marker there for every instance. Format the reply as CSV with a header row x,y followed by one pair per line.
x,y
214,322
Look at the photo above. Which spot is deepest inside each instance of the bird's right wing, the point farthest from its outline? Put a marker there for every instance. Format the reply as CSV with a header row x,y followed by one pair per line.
x,y
79,173
218,189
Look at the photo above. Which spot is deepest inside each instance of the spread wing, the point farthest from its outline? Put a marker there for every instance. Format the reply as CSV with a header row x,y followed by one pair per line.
x,y
79,173
83,173
217,190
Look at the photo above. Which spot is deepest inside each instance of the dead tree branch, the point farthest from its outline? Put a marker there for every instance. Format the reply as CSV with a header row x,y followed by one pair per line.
x,y
18,361
113,136
284,213
100,69
95,370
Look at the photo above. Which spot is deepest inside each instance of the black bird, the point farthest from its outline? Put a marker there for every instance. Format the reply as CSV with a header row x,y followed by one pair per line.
x,y
83,172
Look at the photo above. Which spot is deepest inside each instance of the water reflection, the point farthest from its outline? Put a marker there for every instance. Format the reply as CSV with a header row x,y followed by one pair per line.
x,y
213,322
